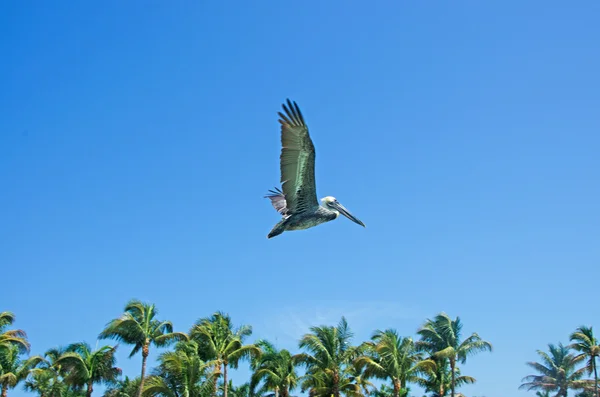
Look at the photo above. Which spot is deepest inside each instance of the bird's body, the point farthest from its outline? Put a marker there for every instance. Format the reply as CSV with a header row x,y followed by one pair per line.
x,y
297,201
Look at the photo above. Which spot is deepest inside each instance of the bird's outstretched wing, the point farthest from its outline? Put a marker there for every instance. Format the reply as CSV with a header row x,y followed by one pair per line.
x,y
297,161
278,201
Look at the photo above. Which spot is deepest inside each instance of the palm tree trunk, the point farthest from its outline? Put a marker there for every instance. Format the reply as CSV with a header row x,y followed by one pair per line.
x,y
90,389
145,352
276,392
396,388
452,365
336,384
216,371
4,390
225,379
595,377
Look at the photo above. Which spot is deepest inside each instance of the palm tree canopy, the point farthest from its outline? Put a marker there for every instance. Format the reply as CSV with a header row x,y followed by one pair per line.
x,y
390,356
586,344
84,365
329,360
275,368
442,337
16,337
138,326
329,347
438,380
12,368
123,388
557,371
219,342
180,373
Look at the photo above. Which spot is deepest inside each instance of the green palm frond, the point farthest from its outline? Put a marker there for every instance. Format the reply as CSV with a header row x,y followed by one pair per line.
x,y
558,371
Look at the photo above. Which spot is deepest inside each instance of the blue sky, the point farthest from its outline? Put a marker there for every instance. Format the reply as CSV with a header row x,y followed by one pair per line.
x,y
138,139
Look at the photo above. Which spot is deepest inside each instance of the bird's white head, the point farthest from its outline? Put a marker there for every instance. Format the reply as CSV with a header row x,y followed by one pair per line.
x,y
326,201
332,204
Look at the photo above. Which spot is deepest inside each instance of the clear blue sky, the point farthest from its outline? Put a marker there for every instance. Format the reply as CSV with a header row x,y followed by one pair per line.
x,y
137,140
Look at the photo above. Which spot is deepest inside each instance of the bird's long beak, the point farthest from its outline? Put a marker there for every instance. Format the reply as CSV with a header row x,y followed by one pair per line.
x,y
347,213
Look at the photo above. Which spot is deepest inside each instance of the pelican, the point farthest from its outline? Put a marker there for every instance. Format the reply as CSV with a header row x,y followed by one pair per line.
x,y
296,201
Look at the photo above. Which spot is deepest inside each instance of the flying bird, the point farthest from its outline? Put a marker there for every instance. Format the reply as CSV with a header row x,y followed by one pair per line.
x,y
296,201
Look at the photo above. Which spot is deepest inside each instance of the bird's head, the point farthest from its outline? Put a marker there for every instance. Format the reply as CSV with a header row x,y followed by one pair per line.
x,y
332,204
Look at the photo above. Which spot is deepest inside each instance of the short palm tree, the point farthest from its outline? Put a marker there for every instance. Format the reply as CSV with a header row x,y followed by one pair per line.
x,y
441,338
85,367
221,345
138,326
180,373
13,369
242,390
557,370
123,388
390,356
16,337
45,382
46,379
276,369
329,354
588,346
438,380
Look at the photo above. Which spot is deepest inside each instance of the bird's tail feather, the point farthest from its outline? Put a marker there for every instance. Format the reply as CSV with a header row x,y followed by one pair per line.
x,y
277,229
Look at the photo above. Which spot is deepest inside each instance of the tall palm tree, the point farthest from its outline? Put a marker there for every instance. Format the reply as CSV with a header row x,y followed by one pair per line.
x,y
557,371
390,356
85,367
139,327
329,354
16,337
438,380
180,373
276,369
13,370
441,337
587,345
222,345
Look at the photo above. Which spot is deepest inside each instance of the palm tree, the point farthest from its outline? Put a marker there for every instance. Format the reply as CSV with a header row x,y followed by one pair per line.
x,y
587,345
438,380
329,355
355,382
85,367
558,371
46,378
123,388
180,373
138,326
389,356
13,370
221,345
276,369
242,390
45,382
16,337
440,337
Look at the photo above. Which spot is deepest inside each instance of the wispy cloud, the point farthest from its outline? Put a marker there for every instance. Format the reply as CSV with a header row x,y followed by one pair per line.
x,y
289,323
